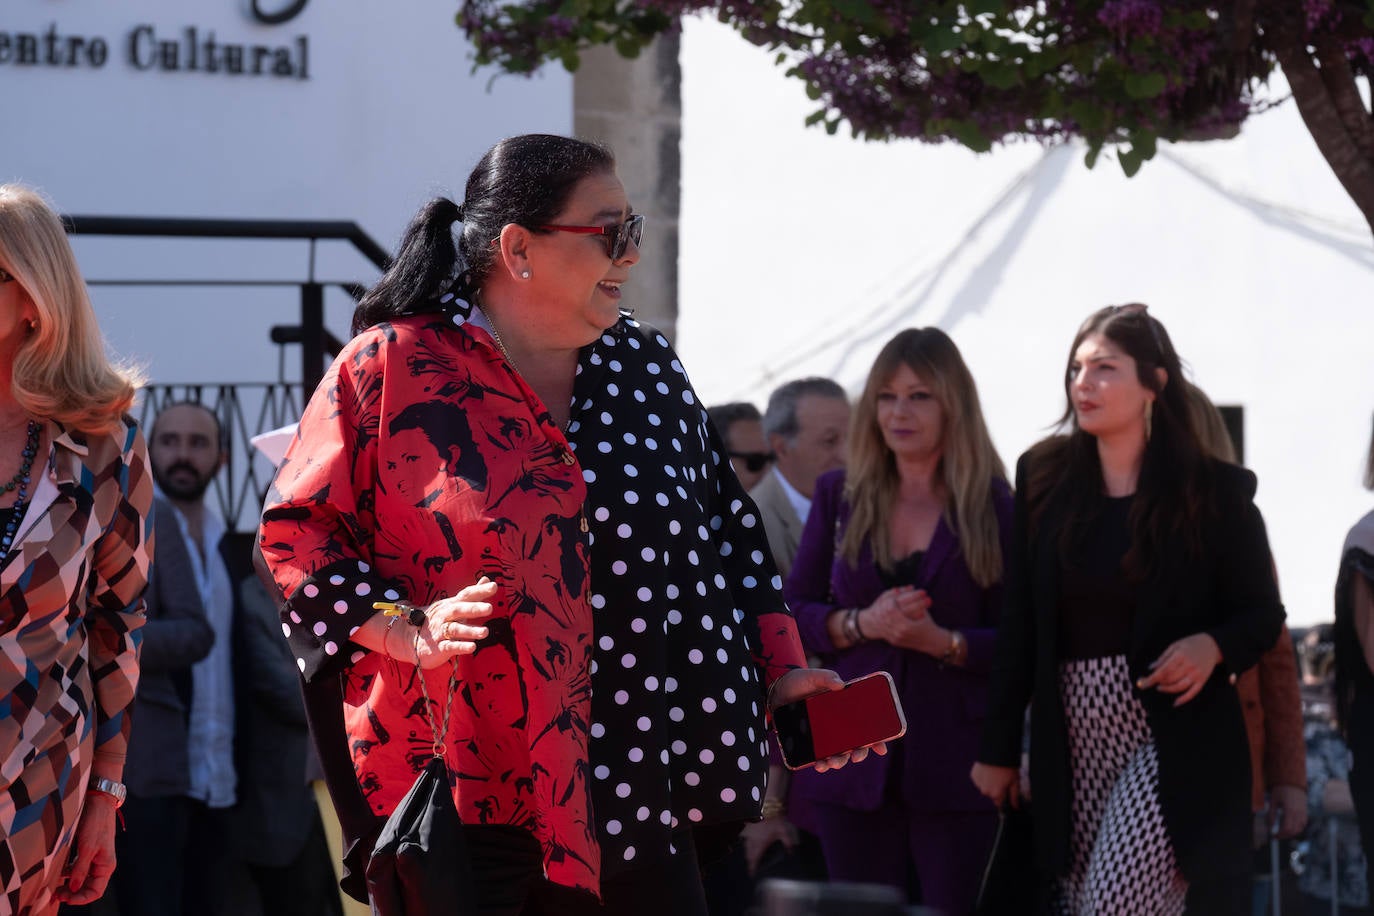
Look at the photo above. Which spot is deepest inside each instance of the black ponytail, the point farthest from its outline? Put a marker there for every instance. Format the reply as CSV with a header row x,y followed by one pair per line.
x,y
424,268
526,180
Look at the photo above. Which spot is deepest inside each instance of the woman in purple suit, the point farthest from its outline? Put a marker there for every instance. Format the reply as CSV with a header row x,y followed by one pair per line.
x,y
899,570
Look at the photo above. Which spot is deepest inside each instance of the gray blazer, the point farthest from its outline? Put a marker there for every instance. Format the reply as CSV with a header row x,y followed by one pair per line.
x,y
780,521
175,636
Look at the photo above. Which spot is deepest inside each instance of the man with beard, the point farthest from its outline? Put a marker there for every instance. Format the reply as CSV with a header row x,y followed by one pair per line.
x,y
186,450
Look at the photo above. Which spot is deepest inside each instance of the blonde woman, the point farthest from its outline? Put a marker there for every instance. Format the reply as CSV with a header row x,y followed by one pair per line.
x,y
74,551
900,570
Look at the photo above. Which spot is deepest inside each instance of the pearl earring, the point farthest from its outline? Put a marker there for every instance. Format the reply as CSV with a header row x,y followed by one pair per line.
x,y
524,275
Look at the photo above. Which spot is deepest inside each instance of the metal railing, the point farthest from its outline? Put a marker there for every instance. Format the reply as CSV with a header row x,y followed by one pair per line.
x,y
246,409
315,341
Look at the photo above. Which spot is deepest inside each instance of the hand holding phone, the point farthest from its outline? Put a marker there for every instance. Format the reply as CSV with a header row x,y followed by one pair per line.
x,y
864,713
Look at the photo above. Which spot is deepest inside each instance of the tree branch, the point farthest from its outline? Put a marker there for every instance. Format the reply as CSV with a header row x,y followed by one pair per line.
x,y
1340,84
1353,169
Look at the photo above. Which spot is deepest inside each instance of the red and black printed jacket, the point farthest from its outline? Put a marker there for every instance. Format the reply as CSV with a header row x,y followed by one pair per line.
x,y
639,616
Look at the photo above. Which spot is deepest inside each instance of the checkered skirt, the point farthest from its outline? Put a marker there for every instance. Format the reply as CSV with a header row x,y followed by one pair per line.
x,y
1122,863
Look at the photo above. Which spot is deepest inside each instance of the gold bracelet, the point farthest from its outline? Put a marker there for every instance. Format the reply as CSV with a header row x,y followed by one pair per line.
x,y
768,697
773,807
956,646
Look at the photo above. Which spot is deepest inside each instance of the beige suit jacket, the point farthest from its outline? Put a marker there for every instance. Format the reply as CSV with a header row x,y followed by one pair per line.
x,y
780,520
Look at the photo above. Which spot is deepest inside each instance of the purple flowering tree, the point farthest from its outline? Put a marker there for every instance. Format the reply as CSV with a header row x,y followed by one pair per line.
x,y
1120,73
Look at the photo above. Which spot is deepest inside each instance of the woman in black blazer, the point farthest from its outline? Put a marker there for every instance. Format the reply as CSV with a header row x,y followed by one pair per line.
x,y
1139,585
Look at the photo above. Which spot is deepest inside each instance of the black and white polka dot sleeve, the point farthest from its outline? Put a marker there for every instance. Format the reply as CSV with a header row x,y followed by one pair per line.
x,y
317,521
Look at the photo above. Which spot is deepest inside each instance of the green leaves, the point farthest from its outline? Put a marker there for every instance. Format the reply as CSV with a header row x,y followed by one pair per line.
x,y
1142,150
971,135
860,12
942,39
977,72
1094,150
1145,85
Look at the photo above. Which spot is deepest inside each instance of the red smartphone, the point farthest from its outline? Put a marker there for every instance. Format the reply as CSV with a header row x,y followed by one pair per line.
x,y
864,713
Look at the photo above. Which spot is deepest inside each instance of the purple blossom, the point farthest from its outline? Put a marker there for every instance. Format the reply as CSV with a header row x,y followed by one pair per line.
x,y
1131,17
1315,11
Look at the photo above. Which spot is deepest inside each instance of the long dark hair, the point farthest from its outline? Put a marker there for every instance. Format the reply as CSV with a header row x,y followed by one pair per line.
x,y
525,180
1171,491
1351,667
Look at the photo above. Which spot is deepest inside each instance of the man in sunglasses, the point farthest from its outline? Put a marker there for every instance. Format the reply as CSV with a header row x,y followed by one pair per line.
x,y
741,426
807,426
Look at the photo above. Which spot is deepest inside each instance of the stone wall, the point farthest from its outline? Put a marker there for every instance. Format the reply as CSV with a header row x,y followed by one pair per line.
x,y
635,107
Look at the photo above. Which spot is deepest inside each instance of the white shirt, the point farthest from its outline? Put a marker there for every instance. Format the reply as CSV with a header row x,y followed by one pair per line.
x,y
210,743
800,504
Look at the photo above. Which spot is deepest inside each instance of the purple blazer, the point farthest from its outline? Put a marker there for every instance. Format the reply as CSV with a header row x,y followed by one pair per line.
x,y
944,706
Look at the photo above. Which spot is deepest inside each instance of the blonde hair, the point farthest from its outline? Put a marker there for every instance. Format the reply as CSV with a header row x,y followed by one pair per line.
x,y
60,371
968,465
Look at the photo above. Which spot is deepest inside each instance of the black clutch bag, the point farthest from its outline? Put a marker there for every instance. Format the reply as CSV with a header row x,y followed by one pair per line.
x,y
1010,884
420,865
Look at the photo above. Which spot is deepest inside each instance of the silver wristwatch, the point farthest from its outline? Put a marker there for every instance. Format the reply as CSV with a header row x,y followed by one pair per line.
x,y
109,787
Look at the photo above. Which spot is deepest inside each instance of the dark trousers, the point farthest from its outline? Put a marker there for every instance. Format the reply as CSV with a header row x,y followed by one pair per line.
x,y
1362,791
209,863
302,887
731,890
1220,895
936,858
151,853
507,867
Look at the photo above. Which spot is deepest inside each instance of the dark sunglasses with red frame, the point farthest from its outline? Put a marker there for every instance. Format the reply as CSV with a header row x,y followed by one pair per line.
x,y
616,237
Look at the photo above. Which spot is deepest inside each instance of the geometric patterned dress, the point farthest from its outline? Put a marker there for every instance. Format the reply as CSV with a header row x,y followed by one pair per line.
x,y
1121,861
71,600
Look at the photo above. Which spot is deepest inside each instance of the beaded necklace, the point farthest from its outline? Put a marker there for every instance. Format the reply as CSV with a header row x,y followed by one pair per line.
x,y
20,482
496,336
500,345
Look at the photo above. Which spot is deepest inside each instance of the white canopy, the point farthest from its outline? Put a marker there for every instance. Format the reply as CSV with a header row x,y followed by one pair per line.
x,y
803,253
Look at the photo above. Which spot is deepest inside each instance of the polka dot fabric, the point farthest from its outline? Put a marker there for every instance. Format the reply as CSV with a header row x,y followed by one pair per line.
x,y
687,622
687,611
422,464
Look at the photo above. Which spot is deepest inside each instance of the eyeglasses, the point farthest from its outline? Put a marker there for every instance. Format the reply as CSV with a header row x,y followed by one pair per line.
x,y
753,461
617,237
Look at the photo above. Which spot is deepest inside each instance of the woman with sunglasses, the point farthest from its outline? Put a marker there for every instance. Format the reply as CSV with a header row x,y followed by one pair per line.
x,y
75,495
900,570
597,582
1139,586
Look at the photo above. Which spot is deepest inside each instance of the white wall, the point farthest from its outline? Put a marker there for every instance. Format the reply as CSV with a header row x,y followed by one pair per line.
x,y
391,114
803,253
